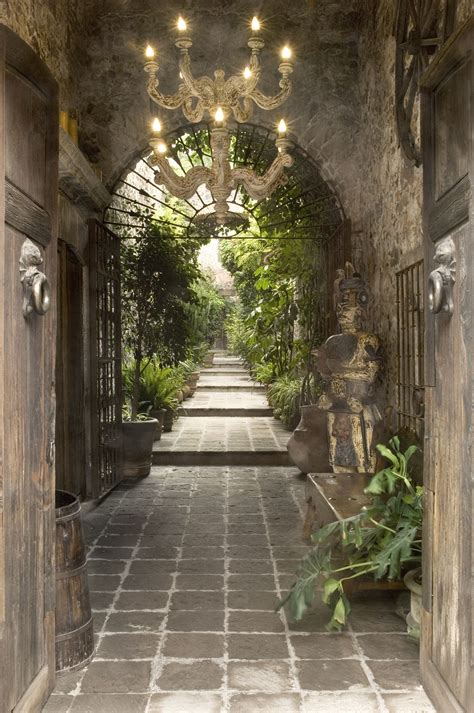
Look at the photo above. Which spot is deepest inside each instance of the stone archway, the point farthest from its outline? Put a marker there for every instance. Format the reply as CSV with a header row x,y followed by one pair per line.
x,y
319,211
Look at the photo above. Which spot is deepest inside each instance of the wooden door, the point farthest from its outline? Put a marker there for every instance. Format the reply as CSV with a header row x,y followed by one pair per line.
x,y
70,367
448,168
105,358
28,220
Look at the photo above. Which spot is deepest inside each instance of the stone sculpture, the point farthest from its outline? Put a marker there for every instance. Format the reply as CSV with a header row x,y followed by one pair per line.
x,y
349,363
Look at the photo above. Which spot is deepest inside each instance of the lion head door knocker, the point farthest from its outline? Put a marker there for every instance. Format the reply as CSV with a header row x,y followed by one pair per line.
x,y
442,278
36,289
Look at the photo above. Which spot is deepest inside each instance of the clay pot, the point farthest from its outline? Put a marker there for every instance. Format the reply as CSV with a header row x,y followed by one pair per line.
x,y
159,414
412,581
138,437
308,446
193,379
180,396
186,391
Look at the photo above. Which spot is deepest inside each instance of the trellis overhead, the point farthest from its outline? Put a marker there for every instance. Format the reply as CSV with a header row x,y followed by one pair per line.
x,y
305,207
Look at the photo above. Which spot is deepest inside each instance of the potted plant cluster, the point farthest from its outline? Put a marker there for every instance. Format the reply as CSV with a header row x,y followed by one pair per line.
x,y
157,274
383,541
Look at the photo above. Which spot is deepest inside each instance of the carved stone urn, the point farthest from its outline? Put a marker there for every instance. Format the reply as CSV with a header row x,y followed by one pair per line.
x,y
308,446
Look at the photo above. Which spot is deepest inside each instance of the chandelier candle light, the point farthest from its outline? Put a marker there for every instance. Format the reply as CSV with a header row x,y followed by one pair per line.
x,y
221,99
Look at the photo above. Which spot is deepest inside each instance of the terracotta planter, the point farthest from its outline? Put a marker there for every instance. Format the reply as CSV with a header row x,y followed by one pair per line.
x,y
180,396
192,379
159,414
186,391
412,581
138,437
168,421
308,446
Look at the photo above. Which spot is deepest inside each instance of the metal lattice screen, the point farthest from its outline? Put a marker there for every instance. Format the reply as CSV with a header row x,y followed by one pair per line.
x,y
306,207
106,385
410,347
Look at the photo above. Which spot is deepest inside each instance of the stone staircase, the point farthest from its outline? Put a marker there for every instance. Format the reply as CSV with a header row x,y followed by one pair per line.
x,y
227,422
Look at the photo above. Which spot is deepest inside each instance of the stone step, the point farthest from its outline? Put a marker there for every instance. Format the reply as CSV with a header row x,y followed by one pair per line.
x,y
226,387
190,411
203,458
223,370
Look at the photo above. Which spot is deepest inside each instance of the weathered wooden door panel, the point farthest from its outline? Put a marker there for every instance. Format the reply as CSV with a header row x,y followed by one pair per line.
x,y
447,127
28,173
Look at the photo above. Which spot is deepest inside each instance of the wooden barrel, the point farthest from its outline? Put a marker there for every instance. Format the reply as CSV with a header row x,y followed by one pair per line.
x,y
74,632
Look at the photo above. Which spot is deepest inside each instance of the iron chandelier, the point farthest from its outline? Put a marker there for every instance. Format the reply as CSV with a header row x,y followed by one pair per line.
x,y
222,99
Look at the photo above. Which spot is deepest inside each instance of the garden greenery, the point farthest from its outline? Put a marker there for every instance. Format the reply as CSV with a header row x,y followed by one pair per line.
x,y
382,541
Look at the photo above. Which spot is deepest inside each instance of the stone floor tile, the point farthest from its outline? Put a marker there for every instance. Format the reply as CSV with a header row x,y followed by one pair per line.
x,y
152,566
128,646
237,552
191,552
352,702
331,675
101,600
134,621
257,646
98,618
197,646
201,566
116,677
375,613
197,600
413,702
389,646
265,703
395,675
111,553
199,581
117,540
144,599
152,580
252,600
265,676
201,702
68,682
115,703
262,582
103,582
250,566
97,566
196,675
157,552
323,646
58,704
315,620
196,621
255,621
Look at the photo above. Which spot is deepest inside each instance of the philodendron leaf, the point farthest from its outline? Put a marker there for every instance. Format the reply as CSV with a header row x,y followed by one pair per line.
x,y
330,586
340,611
387,453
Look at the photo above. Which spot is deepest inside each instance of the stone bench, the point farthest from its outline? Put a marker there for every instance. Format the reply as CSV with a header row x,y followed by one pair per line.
x,y
336,496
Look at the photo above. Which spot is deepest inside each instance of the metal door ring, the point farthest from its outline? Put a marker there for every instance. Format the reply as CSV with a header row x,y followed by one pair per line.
x,y
41,294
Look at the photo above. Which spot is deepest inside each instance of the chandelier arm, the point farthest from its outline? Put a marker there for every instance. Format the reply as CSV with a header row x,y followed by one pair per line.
x,y
196,86
242,111
168,101
180,186
265,102
259,187
194,113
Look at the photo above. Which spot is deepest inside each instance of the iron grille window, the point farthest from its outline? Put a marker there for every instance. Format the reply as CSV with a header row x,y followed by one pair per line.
x,y
410,347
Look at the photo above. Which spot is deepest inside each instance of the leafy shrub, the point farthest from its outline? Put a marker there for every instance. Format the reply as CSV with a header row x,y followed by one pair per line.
x,y
284,395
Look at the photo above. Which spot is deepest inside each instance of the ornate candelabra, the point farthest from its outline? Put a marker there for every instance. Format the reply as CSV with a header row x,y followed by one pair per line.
x,y
221,98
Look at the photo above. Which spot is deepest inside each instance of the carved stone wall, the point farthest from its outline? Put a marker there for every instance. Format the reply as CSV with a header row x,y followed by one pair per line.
x,y
386,203
54,28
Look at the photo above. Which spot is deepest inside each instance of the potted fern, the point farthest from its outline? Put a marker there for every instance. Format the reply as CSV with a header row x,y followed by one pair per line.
x,y
383,541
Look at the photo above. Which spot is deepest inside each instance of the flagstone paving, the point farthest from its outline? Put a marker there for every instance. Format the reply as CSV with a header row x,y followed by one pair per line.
x,y
186,567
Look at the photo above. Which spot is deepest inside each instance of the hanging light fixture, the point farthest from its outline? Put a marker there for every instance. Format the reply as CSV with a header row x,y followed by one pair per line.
x,y
220,99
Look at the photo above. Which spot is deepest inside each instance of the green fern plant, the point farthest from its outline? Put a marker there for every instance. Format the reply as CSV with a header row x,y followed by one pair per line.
x,y
382,541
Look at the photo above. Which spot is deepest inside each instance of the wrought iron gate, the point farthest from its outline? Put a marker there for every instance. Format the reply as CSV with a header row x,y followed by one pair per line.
x,y
105,348
410,351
